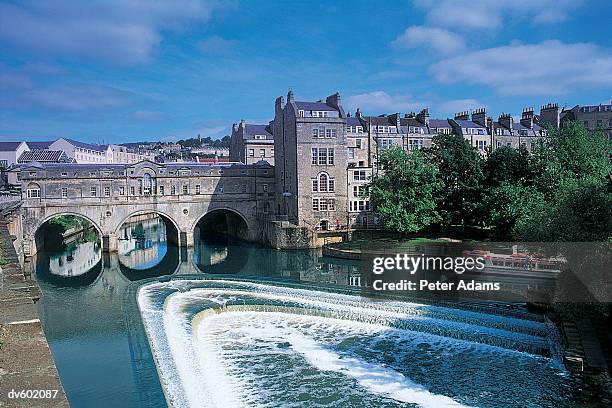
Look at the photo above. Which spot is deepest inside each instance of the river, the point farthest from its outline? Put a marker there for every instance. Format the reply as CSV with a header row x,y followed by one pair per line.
x,y
309,341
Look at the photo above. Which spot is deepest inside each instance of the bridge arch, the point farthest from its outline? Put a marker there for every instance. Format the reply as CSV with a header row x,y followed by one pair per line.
x,y
226,210
66,254
146,248
163,215
39,224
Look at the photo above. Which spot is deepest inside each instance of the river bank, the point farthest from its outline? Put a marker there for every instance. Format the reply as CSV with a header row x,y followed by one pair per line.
x,y
26,363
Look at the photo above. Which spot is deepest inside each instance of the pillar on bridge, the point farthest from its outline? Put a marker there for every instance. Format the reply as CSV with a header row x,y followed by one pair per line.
x,y
110,243
187,239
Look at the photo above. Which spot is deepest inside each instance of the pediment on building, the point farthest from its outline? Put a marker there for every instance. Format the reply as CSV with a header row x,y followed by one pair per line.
x,y
142,166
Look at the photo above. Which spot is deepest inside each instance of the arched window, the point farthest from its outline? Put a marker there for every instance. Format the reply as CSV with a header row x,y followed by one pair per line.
x,y
148,184
33,190
323,183
323,179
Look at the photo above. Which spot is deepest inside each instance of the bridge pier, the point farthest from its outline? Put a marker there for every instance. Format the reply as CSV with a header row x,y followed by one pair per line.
x,y
110,243
186,239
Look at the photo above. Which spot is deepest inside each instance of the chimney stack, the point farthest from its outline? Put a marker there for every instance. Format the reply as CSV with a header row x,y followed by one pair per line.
x,y
395,118
527,118
549,113
480,116
423,116
279,105
462,115
290,96
358,113
334,100
506,120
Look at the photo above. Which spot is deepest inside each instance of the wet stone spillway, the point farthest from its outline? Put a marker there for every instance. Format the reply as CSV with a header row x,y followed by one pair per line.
x,y
239,343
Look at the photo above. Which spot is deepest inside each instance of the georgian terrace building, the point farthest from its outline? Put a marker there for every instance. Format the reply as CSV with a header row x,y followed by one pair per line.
x,y
251,143
324,158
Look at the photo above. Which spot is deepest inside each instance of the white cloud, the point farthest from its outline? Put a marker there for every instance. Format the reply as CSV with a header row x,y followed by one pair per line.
x,y
75,98
380,101
114,31
437,39
487,14
20,90
550,67
459,105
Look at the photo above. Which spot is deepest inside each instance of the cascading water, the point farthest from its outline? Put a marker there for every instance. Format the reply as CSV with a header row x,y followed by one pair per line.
x,y
222,343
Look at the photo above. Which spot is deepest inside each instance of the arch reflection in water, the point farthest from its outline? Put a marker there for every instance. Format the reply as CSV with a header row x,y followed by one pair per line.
x,y
217,236
147,247
68,249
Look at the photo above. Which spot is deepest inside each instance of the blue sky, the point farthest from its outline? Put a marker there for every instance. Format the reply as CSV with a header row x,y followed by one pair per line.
x,y
128,70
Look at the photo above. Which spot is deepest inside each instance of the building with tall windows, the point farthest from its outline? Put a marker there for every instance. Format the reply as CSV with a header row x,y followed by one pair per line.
x,y
251,143
591,116
311,160
325,158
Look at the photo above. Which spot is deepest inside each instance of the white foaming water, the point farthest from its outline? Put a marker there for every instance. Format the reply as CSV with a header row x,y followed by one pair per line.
x,y
238,358
373,377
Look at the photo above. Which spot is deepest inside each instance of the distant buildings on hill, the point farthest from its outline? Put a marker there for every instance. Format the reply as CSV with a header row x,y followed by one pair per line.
x,y
64,150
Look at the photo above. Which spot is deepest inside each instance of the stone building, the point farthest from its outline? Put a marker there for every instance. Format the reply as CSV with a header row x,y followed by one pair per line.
x,y
474,130
10,153
311,160
507,132
82,152
119,154
416,130
251,143
181,193
591,116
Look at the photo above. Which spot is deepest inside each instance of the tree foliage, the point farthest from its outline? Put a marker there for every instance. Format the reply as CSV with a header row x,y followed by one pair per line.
x,y
573,173
558,192
404,194
507,165
460,168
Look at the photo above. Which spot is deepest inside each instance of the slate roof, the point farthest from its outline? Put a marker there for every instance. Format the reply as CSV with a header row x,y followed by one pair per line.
x,y
505,131
439,123
105,166
534,131
39,145
380,121
411,122
468,124
9,146
89,146
251,130
43,156
314,106
353,121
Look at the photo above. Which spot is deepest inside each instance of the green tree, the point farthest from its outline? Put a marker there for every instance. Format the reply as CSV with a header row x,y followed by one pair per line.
x,y
460,168
558,193
506,203
571,153
404,194
507,165
581,211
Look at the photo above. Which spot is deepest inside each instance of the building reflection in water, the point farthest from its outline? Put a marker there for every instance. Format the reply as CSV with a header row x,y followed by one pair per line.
x,y
78,258
142,242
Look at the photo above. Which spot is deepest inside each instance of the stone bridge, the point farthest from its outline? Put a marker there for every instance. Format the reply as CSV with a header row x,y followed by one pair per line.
x,y
180,193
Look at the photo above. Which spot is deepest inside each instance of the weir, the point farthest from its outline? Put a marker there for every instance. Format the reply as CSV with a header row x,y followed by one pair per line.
x,y
216,334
